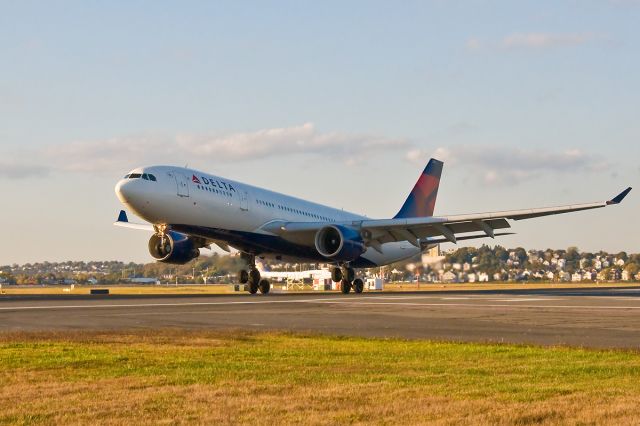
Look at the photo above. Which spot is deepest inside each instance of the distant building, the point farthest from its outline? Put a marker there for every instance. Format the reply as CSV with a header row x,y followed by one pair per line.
x,y
449,277
144,280
564,276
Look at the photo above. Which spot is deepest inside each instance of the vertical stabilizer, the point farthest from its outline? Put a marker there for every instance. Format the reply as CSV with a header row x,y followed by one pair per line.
x,y
422,199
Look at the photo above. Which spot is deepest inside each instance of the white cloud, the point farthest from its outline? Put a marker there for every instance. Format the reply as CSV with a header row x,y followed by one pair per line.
x,y
474,43
121,153
21,171
534,41
545,40
506,166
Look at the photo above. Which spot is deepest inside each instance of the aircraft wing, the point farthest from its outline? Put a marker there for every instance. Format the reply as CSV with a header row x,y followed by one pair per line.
x,y
421,230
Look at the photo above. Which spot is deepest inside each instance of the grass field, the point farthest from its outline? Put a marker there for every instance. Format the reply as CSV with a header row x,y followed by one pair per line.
x,y
173,376
227,289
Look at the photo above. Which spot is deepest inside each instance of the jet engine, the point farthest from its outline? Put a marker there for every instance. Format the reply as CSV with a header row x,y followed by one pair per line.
x,y
339,243
173,247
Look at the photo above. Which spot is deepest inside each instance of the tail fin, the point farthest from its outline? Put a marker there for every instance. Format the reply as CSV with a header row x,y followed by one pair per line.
x,y
422,199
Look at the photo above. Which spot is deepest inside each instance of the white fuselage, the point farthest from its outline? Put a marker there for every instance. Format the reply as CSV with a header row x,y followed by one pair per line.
x,y
181,196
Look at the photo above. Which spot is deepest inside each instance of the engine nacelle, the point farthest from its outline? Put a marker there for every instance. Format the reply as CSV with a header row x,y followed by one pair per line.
x,y
176,248
339,243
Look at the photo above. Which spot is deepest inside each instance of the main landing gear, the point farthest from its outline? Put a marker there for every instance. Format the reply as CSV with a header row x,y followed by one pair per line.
x,y
347,278
252,277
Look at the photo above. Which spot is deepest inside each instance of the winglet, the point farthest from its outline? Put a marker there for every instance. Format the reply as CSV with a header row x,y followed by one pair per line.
x,y
122,217
618,198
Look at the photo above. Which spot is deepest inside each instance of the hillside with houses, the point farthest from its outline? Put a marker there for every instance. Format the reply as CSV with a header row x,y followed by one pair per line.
x,y
465,264
484,264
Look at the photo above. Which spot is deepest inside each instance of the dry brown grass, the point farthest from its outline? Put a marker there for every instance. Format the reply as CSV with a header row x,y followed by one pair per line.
x,y
173,376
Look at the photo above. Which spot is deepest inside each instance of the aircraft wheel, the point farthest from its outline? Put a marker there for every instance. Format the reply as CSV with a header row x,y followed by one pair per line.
x,y
358,286
265,286
349,274
254,276
345,287
336,274
254,281
243,276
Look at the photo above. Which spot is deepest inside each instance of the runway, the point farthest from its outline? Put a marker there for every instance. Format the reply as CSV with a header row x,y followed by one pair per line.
x,y
598,318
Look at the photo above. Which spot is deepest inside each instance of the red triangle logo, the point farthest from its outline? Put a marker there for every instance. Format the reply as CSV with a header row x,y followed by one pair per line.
x,y
194,179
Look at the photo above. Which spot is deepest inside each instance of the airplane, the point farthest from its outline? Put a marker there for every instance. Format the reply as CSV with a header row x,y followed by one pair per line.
x,y
188,210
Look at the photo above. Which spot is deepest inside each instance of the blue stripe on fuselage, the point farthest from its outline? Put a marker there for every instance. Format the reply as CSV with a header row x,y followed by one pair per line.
x,y
257,244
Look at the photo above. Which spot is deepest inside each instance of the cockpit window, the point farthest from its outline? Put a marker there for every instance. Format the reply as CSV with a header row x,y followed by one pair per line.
x,y
145,176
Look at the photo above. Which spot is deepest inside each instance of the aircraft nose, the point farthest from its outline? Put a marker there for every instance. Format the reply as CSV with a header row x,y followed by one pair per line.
x,y
125,190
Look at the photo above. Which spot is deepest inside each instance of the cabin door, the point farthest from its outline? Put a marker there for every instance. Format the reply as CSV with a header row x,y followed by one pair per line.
x,y
183,184
244,201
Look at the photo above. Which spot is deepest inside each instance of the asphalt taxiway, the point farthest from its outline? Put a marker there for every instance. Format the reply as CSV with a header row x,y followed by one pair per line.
x,y
602,317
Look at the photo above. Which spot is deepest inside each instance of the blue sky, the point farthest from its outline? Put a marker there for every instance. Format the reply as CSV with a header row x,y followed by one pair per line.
x,y
528,103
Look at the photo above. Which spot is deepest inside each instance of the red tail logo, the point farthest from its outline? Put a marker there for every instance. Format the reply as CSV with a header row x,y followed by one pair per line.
x,y
194,179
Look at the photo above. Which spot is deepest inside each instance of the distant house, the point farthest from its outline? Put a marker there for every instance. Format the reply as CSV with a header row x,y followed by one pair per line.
x,y
626,275
576,277
449,277
564,276
615,275
483,277
550,276
144,280
501,276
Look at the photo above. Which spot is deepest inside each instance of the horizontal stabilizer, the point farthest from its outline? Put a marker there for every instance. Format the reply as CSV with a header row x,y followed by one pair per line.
x,y
123,221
